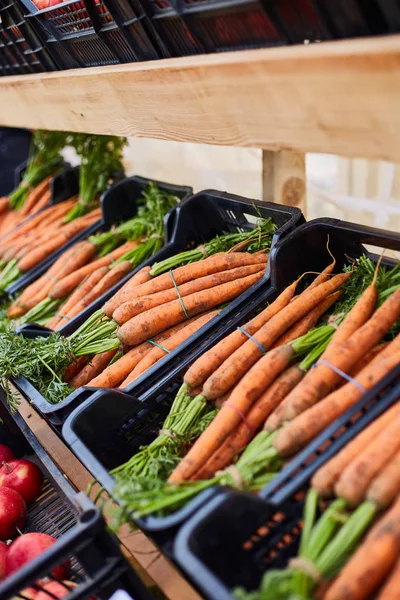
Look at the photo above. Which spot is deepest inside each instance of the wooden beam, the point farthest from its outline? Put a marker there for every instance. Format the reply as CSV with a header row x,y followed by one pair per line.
x,y
341,97
149,563
284,178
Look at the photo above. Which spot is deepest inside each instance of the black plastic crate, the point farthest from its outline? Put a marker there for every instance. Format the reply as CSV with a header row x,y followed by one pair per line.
x,y
118,204
300,20
21,46
353,18
95,32
110,426
97,564
391,12
196,220
265,534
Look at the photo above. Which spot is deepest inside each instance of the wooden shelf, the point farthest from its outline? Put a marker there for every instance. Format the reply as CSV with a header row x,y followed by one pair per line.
x,y
338,97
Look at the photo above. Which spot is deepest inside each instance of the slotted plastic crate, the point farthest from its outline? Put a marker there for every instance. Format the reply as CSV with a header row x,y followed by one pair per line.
x,y
264,532
98,567
353,18
391,12
197,219
109,427
21,49
96,32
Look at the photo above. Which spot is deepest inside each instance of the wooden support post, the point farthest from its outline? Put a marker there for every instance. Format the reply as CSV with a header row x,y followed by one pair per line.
x,y
284,178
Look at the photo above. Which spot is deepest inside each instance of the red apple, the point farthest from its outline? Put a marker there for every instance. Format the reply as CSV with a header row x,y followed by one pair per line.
x,y
3,551
12,513
24,477
59,590
29,593
6,454
29,546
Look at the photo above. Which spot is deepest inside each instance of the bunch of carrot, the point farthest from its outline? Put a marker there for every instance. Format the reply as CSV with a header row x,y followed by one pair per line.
x,y
33,193
155,315
259,382
91,267
33,241
332,563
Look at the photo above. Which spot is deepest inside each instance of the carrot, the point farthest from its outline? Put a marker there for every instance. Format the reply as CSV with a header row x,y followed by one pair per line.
x,y
296,434
251,386
158,319
385,487
75,256
43,201
110,278
213,264
246,430
307,322
391,589
74,368
35,195
324,275
40,253
321,379
208,362
173,342
367,358
371,563
131,309
81,292
326,477
240,361
113,375
4,204
95,366
357,476
68,284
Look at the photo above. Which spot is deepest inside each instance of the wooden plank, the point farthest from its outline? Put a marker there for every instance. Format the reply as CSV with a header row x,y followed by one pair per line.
x,y
284,178
339,97
150,564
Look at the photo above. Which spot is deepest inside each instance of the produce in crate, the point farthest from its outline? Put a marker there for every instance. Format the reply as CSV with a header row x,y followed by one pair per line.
x,y
29,546
352,550
24,477
55,365
253,379
6,453
12,513
91,267
33,193
3,552
34,240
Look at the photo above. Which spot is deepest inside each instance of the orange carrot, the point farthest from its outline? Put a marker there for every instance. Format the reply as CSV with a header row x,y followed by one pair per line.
x,y
368,358
95,366
35,195
80,293
307,322
326,477
208,362
68,284
247,429
297,433
4,204
113,375
40,253
250,387
173,342
242,359
321,379
213,264
109,279
131,309
371,563
385,487
155,320
357,476
391,589
324,275
74,368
